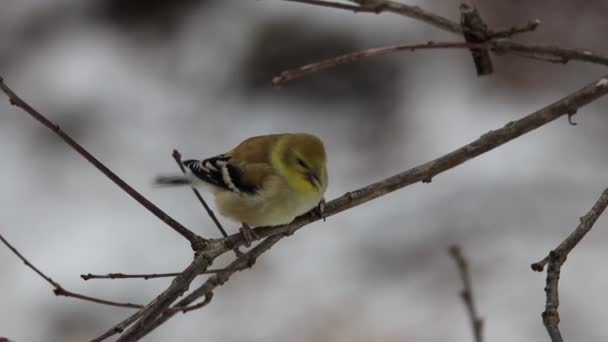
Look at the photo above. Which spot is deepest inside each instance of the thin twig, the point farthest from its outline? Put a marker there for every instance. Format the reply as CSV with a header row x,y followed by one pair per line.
x,y
556,258
206,289
467,292
298,72
409,11
331,4
58,289
161,303
421,173
566,55
539,57
196,241
510,32
89,276
379,6
545,53
178,159
415,12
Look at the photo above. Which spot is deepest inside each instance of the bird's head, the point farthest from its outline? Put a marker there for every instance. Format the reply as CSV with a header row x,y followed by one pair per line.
x,y
302,161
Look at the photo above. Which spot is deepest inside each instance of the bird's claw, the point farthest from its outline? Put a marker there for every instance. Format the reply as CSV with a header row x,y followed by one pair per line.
x,y
248,234
320,209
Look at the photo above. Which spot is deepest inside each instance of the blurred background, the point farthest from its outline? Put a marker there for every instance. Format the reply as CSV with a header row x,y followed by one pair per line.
x,y
132,80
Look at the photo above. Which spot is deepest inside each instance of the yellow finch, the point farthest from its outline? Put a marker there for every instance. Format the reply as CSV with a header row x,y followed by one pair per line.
x,y
266,180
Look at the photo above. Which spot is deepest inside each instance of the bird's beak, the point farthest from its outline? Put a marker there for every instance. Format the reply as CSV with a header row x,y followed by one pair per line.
x,y
313,178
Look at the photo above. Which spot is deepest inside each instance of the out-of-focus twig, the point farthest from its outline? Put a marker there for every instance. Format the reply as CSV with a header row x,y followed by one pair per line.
x,y
556,258
338,5
511,31
467,292
546,53
298,72
409,11
57,288
475,31
196,241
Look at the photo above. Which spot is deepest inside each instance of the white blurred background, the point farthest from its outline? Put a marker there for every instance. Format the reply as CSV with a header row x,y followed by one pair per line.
x,y
131,80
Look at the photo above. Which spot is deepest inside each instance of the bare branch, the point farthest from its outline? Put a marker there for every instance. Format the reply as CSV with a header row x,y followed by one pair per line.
x,y
557,258
298,72
196,241
413,12
421,173
546,53
565,55
331,4
178,159
467,292
58,289
206,289
510,32
475,31
417,13
147,276
178,286
585,225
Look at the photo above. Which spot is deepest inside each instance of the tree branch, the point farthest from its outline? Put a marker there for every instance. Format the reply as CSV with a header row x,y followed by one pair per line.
x,y
413,12
357,56
178,159
510,32
467,292
547,53
557,258
196,241
422,173
206,289
147,276
331,4
59,290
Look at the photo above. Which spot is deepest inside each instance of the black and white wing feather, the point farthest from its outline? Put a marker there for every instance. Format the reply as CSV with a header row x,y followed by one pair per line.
x,y
218,172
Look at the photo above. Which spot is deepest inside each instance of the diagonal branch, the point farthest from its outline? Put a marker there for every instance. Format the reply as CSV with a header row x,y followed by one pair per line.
x,y
409,11
357,56
206,289
196,241
338,5
422,173
58,290
555,261
178,159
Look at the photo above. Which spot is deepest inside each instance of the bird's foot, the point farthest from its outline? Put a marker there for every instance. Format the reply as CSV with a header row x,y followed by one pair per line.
x,y
248,234
320,209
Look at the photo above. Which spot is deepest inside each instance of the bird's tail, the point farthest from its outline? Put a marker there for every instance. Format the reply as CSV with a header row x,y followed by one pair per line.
x,y
166,181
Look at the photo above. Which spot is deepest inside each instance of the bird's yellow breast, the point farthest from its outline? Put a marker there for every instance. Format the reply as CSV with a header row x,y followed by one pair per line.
x,y
276,203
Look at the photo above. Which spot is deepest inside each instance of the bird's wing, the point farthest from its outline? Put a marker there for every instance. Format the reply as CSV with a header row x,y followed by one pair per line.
x,y
243,170
220,172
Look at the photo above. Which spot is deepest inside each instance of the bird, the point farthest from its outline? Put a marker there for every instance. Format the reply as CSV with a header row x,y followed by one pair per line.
x,y
266,180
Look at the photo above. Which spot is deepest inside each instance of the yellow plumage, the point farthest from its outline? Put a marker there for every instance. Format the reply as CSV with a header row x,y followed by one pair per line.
x,y
266,180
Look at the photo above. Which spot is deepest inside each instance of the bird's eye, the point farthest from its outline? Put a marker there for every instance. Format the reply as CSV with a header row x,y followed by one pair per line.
x,y
302,163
